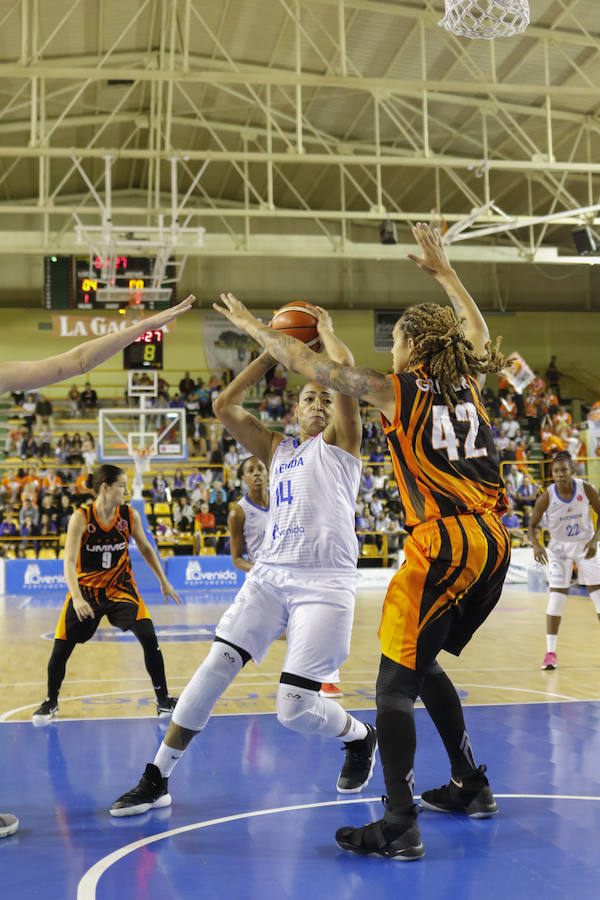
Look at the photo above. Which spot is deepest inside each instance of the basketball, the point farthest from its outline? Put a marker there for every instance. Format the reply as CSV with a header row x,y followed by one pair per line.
x,y
296,320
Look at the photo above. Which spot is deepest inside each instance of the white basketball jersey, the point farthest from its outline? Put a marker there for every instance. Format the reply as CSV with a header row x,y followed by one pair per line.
x,y
314,487
255,522
569,520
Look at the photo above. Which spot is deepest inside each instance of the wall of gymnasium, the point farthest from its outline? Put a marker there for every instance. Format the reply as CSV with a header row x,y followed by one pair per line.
x,y
536,335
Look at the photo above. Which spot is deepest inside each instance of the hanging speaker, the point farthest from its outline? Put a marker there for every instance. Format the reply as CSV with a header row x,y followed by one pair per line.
x,y
584,241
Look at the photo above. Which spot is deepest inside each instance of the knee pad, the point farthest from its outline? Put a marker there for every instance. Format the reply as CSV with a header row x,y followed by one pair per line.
x,y
556,603
206,686
301,710
595,598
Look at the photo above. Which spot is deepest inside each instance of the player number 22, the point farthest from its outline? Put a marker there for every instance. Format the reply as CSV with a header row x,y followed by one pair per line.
x,y
444,436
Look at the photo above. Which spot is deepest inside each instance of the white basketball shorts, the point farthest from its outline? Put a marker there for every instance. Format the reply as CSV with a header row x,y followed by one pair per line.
x,y
562,555
314,606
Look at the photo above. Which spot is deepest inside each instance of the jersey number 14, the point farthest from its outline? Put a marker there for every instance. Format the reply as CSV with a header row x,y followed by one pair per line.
x,y
283,494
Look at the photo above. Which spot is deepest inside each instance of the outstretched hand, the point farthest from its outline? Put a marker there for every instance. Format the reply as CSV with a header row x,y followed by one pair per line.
x,y
234,310
167,315
169,593
434,260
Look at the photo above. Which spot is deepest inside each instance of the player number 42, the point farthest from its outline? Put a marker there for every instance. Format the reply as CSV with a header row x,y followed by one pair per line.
x,y
444,436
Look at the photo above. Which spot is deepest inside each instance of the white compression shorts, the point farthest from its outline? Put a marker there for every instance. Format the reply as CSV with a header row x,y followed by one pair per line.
x,y
562,556
314,606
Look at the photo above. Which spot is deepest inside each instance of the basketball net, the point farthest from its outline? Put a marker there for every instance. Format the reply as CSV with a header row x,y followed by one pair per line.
x,y
141,461
487,19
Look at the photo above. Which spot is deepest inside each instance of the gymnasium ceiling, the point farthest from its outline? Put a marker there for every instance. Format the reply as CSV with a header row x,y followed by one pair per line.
x,y
293,128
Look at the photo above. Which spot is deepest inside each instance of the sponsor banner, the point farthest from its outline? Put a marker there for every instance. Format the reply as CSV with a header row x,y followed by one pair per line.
x,y
203,573
225,346
31,576
95,326
384,326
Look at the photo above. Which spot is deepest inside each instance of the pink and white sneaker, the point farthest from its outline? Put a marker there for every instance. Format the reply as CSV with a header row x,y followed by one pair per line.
x,y
549,661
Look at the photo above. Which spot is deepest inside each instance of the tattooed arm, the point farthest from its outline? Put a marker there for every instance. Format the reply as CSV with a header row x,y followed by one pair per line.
x,y
369,385
435,262
246,428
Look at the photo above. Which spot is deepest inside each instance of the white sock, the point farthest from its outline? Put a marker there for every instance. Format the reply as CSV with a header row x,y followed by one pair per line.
x,y
551,640
166,759
356,732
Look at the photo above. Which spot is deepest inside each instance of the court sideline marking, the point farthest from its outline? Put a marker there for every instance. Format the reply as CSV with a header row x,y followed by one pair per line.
x,y
86,889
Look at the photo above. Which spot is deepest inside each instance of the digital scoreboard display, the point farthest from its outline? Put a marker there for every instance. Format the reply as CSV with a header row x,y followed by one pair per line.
x,y
146,352
131,274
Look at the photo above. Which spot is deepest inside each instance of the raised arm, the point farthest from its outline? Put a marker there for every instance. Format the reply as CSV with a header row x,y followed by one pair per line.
x,y
246,428
27,376
435,262
347,425
368,384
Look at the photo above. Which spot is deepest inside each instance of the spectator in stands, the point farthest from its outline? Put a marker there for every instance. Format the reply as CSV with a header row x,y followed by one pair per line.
x,y
82,492
214,455
177,401
232,457
491,401
364,523
65,512
43,410
187,385
366,483
562,417
538,385
525,498
549,403
162,388
200,493
508,407
197,435
45,445
183,514
192,409
75,450
274,402
511,520
47,528
88,402
379,480
553,376
203,397
88,450
28,414
29,447
531,409
74,398
217,493
28,511
49,505
160,489
61,450
205,523
7,528
178,488
10,486
378,454
194,479
32,483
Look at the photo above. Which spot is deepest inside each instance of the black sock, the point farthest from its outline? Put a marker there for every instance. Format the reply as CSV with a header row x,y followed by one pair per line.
x,y
443,705
397,739
57,665
153,658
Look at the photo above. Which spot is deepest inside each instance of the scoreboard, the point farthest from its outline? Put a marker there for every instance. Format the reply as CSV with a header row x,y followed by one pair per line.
x,y
146,352
130,274
73,282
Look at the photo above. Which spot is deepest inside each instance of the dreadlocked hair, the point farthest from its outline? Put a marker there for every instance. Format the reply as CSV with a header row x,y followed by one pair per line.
x,y
442,348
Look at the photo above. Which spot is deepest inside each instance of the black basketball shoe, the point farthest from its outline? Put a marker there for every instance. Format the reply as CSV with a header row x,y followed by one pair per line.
x,y
165,706
151,793
393,837
46,712
470,794
359,763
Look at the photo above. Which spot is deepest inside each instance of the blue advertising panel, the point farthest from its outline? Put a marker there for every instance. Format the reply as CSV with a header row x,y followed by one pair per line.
x,y
202,572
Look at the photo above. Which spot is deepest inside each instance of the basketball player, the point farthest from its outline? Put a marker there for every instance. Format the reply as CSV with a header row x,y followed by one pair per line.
x,y
248,518
247,522
303,579
457,551
27,376
568,505
101,583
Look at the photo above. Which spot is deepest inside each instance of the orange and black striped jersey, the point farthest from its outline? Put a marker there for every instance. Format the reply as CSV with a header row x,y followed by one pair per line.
x,y
445,462
103,560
